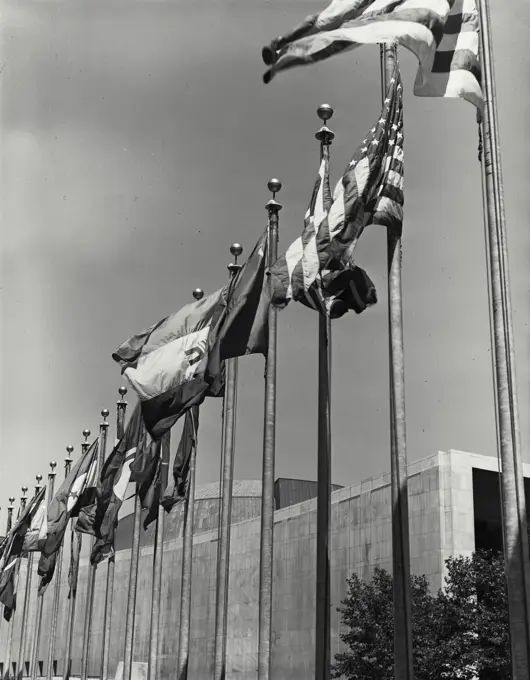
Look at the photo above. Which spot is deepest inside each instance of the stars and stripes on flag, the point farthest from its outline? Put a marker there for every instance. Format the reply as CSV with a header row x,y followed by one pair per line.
x,y
308,274
371,189
177,362
443,35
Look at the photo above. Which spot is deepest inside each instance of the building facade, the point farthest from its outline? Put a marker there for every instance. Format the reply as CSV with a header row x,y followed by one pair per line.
x,y
454,507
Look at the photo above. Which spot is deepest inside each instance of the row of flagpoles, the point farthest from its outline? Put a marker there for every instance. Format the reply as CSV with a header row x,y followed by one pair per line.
x,y
509,446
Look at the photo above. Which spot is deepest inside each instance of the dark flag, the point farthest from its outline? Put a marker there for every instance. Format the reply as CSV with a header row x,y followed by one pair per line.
x,y
176,363
66,504
114,480
178,486
14,548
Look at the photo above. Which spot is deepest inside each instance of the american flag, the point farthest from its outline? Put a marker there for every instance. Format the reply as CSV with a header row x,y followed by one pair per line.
x,y
443,34
318,269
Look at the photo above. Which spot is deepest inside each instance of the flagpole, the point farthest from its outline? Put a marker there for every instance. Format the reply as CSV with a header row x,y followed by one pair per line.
x,y
10,623
92,567
512,481
40,598
323,595
27,595
227,480
153,672
121,407
57,585
403,664
269,455
187,559
133,584
73,591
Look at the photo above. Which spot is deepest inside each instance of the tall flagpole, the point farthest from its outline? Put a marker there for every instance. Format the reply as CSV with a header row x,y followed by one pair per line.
x,y
40,598
57,585
153,668
92,568
27,596
512,482
73,591
10,624
187,559
23,500
133,584
111,562
227,480
323,594
403,664
269,455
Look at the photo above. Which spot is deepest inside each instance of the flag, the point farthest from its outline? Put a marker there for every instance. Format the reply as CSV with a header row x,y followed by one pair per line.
x,y
36,533
177,362
47,567
314,271
442,34
177,488
14,548
66,503
9,594
166,364
112,486
243,325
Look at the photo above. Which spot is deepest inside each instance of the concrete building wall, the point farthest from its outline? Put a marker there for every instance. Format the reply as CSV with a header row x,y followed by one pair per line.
x,y
441,524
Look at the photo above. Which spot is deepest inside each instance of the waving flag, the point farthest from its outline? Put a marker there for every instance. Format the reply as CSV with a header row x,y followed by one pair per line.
x,y
66,504
443,34
177,362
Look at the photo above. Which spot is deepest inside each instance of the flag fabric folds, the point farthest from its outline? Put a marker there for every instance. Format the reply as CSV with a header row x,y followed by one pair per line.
x,y
13,549
443,35
315,270
112,486
66,504
369,192
177,362
177,488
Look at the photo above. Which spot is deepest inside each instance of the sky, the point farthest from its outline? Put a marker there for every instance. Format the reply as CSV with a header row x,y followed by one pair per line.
x,y
137,140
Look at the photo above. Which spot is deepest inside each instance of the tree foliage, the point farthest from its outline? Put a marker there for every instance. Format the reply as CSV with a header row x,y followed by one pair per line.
x,y
459,633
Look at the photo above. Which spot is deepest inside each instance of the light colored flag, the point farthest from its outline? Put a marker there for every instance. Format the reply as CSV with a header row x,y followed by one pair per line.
x,y
176,363
443,34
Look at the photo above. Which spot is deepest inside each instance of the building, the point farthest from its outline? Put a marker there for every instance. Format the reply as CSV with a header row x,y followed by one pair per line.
x,y
454,507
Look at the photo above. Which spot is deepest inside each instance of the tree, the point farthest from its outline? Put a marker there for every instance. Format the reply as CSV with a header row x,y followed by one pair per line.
x,y
458,634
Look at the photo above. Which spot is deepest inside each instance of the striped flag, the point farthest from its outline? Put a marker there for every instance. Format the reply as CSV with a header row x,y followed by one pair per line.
x,y
443,34
318,268
306,272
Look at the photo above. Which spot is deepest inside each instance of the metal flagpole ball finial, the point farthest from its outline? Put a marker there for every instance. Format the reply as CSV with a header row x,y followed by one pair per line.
x,y
86,434
38,478
122,391
11,499
198,293
236,249
70,449
105,413
274,185
53,465
325,112
24,490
